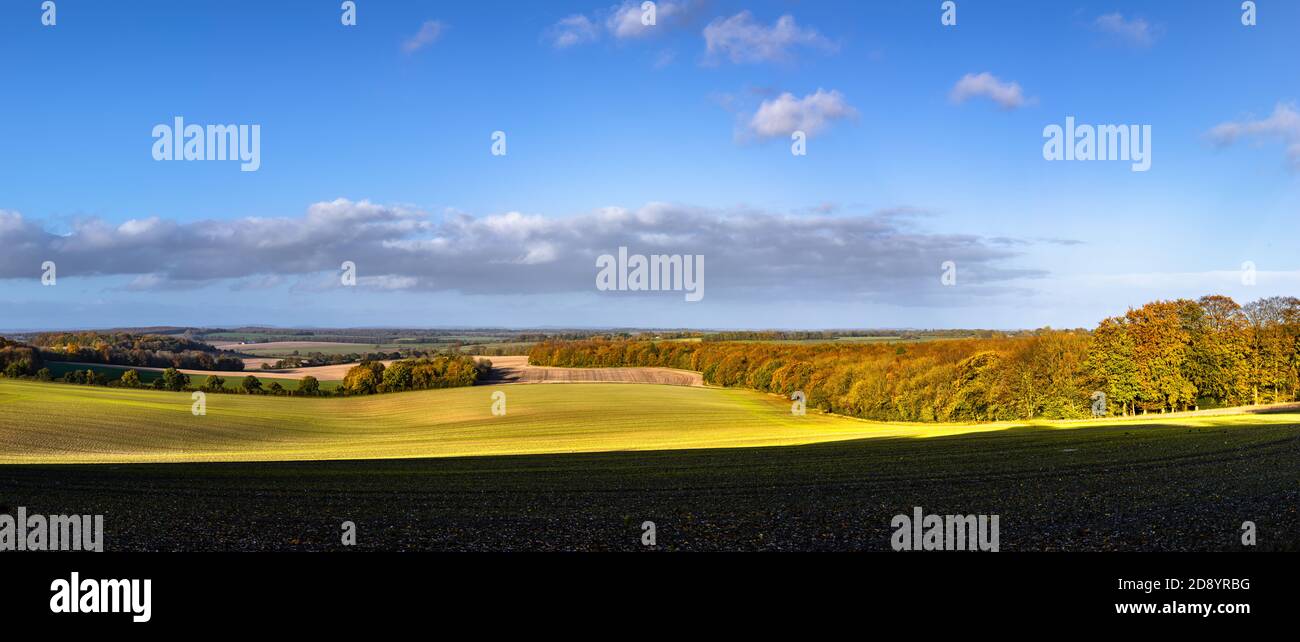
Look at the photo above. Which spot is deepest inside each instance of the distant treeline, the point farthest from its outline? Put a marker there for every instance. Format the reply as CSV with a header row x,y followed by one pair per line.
x,y
1166,355
370,377
124,349
834,335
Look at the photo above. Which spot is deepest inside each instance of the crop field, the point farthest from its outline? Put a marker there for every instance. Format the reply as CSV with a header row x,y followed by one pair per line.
x,y
517,370
679,456
58,423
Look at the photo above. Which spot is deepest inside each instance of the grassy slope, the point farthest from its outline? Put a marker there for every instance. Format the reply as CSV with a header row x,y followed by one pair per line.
x,y
56,423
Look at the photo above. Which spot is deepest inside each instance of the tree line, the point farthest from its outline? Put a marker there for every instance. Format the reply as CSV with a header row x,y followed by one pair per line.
x,y
1162,356
126,349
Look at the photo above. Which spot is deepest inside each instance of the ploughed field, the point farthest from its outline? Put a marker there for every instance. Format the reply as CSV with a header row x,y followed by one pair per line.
x,y
517,370
1170,483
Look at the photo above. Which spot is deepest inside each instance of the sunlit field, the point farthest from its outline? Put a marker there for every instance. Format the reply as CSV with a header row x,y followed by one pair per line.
x,y
57,423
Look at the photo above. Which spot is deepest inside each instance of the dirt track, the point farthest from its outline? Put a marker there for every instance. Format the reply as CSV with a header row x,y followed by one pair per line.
x,y
517,370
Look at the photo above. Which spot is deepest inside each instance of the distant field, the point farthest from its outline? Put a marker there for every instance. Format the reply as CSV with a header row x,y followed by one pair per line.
x,y
56,423
287,348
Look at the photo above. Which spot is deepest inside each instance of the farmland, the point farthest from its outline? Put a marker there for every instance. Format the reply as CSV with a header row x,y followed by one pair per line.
x,y
517,370
269,342
619,454
54,423
113,425
294,348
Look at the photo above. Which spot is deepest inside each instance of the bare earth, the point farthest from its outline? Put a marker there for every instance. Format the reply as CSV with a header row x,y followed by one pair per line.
x,y
517,370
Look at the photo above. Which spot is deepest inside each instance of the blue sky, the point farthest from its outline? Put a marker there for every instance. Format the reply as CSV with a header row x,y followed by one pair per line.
x,y
651,139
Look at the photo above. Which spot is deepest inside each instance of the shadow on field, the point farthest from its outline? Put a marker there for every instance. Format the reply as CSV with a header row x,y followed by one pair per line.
x,y
1149,487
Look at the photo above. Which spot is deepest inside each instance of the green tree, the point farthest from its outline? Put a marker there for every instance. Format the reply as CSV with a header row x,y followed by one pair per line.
x,y
1111,363
174,379
17,369
309,386
251,385
1220,353
131,379
398,377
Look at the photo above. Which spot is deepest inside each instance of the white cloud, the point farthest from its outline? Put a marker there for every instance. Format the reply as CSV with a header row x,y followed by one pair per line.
x,y
986,85
1282,126
624,21
812,114
742,39
1136,31
621,22
573,30
429,33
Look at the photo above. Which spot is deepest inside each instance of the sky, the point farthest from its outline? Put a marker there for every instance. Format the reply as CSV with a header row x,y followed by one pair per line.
x,y
924,199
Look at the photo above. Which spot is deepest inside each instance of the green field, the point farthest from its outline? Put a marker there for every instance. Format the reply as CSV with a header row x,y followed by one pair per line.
x,y
59,423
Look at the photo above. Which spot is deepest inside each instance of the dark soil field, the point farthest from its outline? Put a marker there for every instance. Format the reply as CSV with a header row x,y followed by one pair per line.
x,y
1100,489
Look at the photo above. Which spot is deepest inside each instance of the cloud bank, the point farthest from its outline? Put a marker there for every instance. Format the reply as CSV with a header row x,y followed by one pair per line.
x,y
753,255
